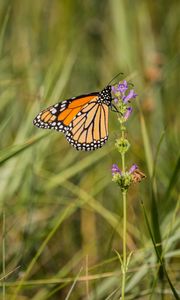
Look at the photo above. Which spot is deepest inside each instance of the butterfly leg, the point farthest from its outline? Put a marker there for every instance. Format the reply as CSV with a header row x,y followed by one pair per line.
x,y
114,108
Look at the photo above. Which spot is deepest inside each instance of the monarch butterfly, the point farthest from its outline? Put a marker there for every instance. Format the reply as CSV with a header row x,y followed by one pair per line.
x,y
83,119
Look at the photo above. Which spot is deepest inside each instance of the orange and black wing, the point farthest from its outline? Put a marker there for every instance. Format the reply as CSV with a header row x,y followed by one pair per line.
x,y
83,120
89,129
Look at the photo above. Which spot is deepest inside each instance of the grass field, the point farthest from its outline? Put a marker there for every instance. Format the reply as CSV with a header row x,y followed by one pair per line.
x,y
60,212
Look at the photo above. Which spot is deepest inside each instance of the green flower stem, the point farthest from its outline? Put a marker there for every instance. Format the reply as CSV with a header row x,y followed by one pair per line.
x,y
124,194
122,153
123,162
124,260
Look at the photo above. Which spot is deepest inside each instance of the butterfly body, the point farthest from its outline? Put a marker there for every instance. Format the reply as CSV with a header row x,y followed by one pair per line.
x,y
83,119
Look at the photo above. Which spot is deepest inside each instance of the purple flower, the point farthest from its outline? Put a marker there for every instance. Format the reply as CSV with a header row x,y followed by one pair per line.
x,y
116,100
133,168
131,95
114,89
128,113
122,87
115,169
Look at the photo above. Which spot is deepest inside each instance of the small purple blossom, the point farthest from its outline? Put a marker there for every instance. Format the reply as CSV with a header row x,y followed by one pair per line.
x,y
133,168
115,169
122,87
114,89
130,96
128,113
122,95
116,100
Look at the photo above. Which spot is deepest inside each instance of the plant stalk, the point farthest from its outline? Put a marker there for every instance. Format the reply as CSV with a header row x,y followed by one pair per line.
x,y
124,260
124,196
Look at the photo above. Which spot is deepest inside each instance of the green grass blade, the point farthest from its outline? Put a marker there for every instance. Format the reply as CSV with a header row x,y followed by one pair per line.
x,y
158,255
13,151
157,154
156,231
154,208
172,183
147,147
3,29
79,166
67,212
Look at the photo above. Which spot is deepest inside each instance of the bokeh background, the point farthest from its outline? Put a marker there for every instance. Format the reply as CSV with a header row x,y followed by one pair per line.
x,y
61,214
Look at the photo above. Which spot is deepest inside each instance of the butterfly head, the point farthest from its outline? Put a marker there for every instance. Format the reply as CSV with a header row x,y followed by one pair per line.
x,y
105,95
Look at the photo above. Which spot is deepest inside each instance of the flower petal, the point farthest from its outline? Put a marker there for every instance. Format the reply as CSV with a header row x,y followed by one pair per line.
x,y
131,95
128,113
114,89
115,169
122,87
133,168
116,100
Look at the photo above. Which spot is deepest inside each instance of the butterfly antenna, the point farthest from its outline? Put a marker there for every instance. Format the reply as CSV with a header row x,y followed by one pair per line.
x,y
115,77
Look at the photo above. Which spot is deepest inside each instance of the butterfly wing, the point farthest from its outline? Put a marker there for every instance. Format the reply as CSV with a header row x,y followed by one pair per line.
x,y
89,129
83,120
58,116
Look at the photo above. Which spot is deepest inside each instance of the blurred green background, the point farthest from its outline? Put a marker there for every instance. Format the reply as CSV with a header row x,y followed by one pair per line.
x,y
61,214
